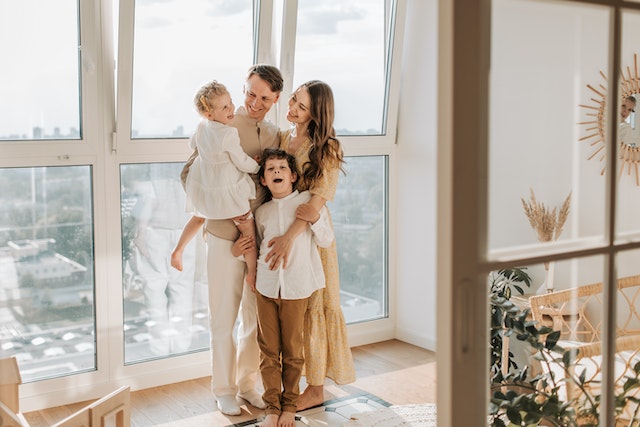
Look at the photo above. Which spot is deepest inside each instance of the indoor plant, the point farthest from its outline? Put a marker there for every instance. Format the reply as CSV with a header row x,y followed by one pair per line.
x,y
518,399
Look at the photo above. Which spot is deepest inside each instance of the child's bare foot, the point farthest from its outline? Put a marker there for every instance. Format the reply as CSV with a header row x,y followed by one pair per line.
x,y
287,419
312,396
270,420
176,260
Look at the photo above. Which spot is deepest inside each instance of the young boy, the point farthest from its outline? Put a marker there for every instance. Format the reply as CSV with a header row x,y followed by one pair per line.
x,y
283,294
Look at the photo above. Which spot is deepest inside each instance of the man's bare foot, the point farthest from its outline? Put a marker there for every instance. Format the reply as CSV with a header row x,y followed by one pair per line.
x,y
312,396
287,419
270,420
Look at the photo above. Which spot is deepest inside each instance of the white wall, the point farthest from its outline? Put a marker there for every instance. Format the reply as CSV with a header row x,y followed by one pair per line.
x,y
415,257
543,57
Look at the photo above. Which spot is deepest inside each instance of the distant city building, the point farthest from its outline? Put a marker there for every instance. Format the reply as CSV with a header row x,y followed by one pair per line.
x,y
37,264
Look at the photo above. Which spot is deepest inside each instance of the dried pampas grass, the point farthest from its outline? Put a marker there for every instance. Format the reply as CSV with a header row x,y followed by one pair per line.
x,y
547,223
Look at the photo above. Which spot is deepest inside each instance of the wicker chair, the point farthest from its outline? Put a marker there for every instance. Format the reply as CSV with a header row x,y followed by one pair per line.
x,y
577,314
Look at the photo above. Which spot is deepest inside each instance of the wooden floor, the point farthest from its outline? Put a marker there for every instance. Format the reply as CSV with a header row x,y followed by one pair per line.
x,y
396,372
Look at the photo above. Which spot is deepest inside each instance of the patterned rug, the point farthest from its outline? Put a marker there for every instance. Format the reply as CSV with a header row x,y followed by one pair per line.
x,y
418,415
331,413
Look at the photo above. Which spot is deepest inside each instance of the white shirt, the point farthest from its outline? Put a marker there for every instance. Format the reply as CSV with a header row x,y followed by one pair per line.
x,y
303,274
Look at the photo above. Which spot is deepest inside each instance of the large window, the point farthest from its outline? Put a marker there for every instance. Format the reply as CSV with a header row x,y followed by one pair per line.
x,y
48,186
165,310
359,214
90,165
344,42
47,270
40,82
179,46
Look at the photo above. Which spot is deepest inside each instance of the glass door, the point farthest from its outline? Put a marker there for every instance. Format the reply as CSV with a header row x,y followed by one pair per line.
x,y
543,249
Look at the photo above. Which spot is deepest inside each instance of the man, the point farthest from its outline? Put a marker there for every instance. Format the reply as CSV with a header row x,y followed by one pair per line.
x,y
235,369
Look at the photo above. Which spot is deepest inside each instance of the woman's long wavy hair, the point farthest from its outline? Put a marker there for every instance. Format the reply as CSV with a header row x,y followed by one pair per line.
x,y
325,149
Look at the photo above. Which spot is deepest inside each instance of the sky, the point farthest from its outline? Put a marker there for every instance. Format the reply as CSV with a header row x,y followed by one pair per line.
x,y
178,46
39,51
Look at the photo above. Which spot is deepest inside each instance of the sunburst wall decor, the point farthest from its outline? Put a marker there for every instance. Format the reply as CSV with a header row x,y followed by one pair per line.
x,y
629,131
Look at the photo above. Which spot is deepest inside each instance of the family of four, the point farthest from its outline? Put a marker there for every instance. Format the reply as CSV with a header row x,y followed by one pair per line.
x,y
250,184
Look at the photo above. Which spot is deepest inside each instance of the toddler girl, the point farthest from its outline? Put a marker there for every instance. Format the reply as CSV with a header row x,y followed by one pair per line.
x,y
218,185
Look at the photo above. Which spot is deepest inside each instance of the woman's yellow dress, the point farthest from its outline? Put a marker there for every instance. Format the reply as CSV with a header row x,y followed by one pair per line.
x,y
326,348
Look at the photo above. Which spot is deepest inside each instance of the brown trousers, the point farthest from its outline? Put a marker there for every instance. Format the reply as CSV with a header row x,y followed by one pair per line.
x,y
280,336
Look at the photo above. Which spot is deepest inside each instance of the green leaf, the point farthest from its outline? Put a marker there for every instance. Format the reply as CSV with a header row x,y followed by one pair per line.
x,y
532,418
552,339
631,383
498,423
569,356
514,415
550,408
511,395
499,395
544,330
582,376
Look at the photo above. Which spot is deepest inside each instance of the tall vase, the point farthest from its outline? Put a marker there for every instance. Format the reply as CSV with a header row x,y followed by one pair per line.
x,y
547,285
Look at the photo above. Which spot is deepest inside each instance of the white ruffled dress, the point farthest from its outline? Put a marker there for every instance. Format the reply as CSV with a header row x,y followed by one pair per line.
x,y
218,185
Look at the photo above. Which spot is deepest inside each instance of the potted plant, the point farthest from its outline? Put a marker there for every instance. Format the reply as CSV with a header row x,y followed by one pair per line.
x,y
502,284
520,400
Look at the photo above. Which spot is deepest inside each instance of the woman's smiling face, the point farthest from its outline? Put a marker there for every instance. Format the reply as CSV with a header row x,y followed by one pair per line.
x,y
299,106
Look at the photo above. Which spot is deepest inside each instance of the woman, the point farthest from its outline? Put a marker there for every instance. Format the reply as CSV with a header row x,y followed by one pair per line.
x,y
319,158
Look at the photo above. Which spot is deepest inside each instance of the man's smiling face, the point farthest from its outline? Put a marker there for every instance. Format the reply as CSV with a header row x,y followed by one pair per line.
x,y
258,97
278,177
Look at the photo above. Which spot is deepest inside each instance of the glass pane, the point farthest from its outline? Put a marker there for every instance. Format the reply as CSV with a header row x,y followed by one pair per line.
x,y
165,311
540,122
359,213
565,300
627,354
39,47
342,42
629,130
46,270
546,325
178,46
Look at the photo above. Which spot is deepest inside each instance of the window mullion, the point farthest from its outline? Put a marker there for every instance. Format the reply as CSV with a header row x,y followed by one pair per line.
x,y
393,62
287,49
607,414
126,19
264,37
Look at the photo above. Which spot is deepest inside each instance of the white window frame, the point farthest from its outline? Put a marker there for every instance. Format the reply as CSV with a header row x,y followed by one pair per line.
x,y
95,94
106,144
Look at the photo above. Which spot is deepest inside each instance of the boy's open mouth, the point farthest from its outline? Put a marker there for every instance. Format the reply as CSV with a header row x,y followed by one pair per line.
x,y
277,180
